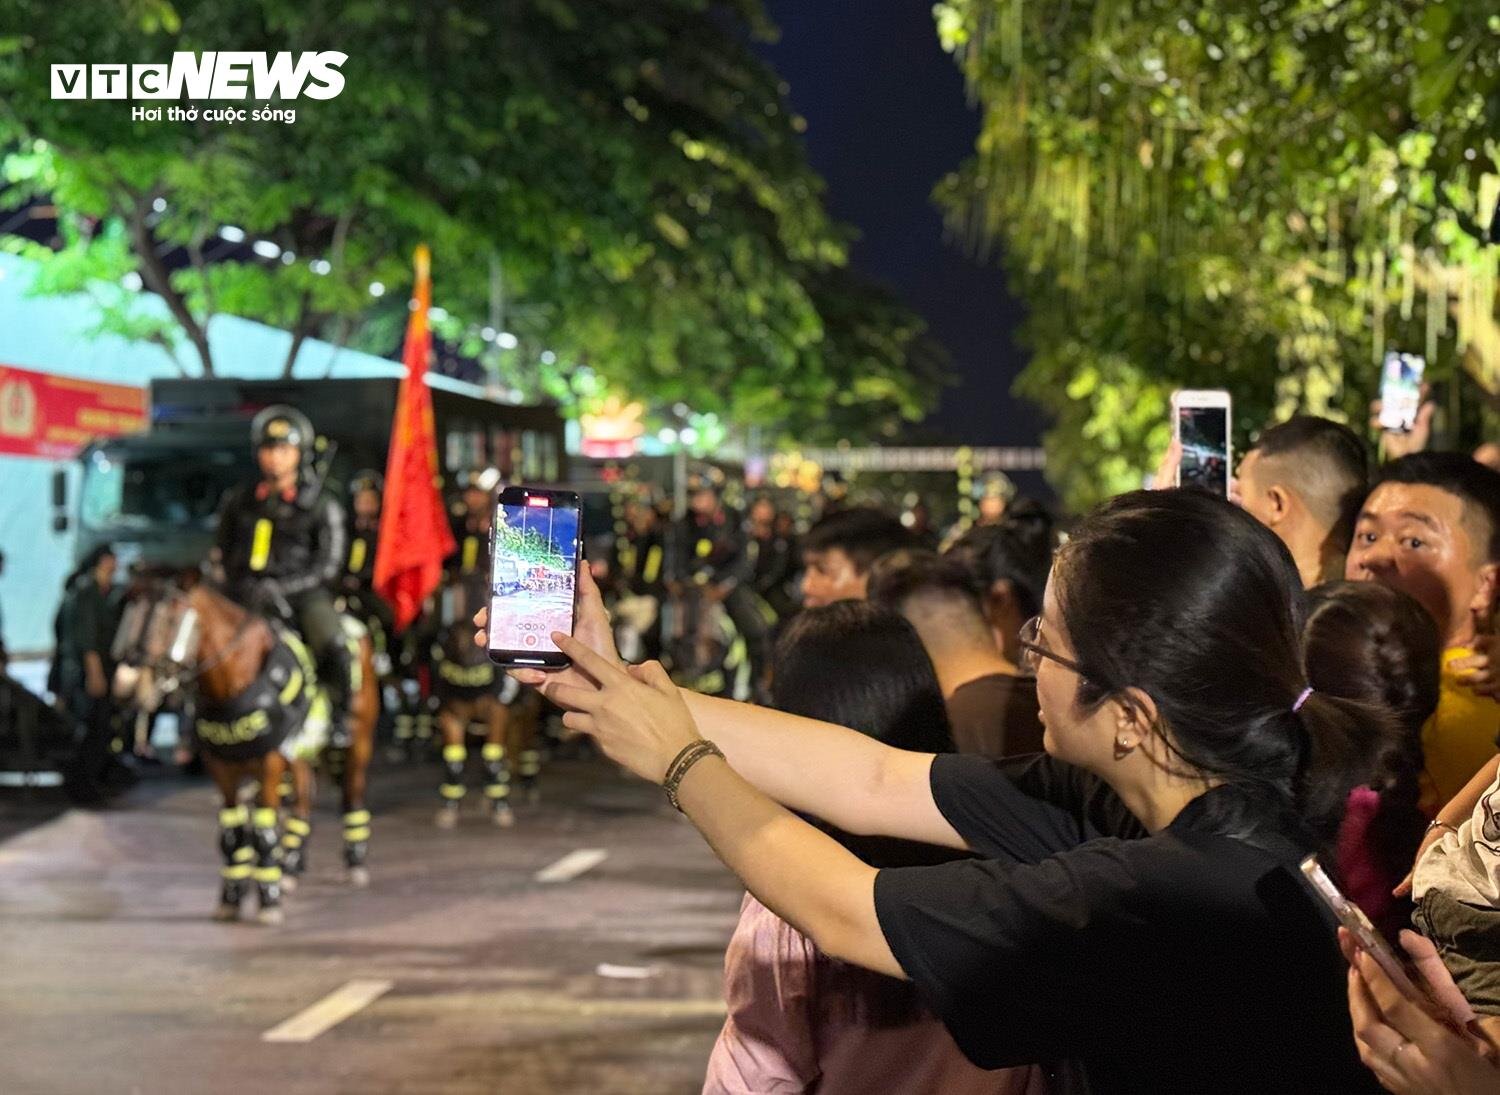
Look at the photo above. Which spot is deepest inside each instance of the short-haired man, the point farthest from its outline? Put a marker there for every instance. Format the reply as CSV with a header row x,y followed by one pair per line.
x,y
1304,479
1431,529
992,707
839,550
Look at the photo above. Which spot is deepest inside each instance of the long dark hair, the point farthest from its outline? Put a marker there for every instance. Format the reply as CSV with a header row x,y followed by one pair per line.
x,y
1191,600
1366,641
858,665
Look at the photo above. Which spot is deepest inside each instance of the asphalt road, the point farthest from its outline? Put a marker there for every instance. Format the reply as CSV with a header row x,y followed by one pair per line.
x,y
460,970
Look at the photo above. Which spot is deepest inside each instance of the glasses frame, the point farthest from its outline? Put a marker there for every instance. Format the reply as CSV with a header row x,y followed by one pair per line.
x,y
1030,632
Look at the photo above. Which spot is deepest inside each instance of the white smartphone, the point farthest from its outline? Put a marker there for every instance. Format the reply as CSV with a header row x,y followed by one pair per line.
x,y
1401,390
1200,423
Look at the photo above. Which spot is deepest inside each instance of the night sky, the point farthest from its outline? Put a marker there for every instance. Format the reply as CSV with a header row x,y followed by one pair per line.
x,y
887,118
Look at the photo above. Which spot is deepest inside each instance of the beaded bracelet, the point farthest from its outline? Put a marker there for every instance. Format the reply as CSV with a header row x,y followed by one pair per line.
x,y
690,755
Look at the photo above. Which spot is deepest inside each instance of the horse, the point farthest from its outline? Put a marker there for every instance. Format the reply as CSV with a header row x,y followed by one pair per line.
x,y
260,719
701,648
471,690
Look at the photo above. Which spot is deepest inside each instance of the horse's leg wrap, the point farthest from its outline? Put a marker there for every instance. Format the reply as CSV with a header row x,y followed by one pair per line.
x,y
424,720
356,837
496,775
452,788
294,845
234,845
531,765
267,868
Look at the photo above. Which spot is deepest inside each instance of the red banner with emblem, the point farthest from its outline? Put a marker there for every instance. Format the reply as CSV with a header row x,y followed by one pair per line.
x,y
54,416
414,535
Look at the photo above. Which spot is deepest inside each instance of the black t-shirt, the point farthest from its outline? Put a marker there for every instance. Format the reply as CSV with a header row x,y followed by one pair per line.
x,y
996,716
1185,961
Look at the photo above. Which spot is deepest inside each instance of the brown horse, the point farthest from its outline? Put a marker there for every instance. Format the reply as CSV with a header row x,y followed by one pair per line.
x,y
260,719
473,692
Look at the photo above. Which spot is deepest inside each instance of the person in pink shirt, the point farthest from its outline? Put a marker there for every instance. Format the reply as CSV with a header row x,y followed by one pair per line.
x,y
800,1021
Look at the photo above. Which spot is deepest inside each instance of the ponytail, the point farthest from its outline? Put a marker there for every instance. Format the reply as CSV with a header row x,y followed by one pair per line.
x,y
1346,742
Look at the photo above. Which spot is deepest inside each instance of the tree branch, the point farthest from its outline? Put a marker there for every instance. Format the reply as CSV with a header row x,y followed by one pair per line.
x,y
156,277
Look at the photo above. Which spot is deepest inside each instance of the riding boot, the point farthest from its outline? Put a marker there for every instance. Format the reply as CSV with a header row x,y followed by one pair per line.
x,y
294,846
356,844
531,766
267,869
452,788
336,671
497,783
234,845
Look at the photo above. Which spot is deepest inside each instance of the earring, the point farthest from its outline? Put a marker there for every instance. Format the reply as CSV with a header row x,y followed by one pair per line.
x,y
1123,749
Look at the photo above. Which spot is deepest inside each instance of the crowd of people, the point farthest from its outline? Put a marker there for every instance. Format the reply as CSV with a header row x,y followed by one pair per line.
x,y
1027,813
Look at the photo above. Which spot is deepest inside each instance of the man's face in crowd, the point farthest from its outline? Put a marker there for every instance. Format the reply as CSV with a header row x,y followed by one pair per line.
x,y
831,576
762,514
1414,538
1253,494
477,503
703,502
278,459
104,571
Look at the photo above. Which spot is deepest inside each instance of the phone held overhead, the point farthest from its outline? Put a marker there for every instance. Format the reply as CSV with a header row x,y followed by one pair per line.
x,y
1401,390
1200,424
535,547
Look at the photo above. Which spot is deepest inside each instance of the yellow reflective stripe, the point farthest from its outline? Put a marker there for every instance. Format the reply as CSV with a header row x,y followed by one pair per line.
x,y
293,687
291,840
232,816
357,817
471,553
454,754
298,826
627,557
704,548
235,874
653,563
243,855
452,790
354,835
358,550
268,874
492,751
497,790
264,818
260,544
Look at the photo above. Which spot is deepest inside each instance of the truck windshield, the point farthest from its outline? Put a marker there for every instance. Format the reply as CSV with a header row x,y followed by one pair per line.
x,y
139,490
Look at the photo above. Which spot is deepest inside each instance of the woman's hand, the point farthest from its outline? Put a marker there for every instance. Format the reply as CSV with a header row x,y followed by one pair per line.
x,y
636,714
591,628
1410,1052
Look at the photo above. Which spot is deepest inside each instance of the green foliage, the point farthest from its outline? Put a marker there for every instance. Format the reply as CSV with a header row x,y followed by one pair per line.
x,y
619,182
1260,196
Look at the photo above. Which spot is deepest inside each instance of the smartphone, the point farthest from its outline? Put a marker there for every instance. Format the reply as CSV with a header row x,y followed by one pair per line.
x,y
1401,390
1352,917
1200,422
535,544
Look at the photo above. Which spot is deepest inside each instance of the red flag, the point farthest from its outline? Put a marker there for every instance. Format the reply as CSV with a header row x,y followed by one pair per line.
x,y
414,534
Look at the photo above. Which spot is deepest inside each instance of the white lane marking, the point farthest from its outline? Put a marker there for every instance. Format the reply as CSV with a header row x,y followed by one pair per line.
x,y
624,973
328,1012
572,865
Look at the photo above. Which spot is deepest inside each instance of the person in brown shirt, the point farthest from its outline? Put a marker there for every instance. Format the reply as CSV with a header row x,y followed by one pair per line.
x,y
991,705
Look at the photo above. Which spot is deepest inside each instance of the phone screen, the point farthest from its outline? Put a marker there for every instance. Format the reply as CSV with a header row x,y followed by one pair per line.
x,y
1204,432
533,574
1401,390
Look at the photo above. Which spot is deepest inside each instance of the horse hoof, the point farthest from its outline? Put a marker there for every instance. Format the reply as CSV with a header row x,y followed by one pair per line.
x,y
271,917
227,912
288,883
505,817
359,877
446,818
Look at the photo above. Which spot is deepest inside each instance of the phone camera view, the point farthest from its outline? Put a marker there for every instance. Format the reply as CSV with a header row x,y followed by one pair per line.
x,y
1205,448
536,545
1401,390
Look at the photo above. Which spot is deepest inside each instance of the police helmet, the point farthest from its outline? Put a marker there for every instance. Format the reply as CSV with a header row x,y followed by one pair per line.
x,y
705,477
368,479
282,425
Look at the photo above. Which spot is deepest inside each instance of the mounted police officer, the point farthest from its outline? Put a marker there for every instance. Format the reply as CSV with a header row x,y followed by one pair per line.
x,y
282,541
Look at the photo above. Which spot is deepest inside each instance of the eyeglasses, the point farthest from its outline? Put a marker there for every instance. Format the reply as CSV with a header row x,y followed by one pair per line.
x,y
1034,651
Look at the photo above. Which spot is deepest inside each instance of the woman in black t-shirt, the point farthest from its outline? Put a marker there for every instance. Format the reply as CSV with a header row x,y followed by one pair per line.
x,y
1136,906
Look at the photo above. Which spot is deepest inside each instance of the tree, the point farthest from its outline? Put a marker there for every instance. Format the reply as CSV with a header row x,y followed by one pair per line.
x,y
1262,196
619,184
